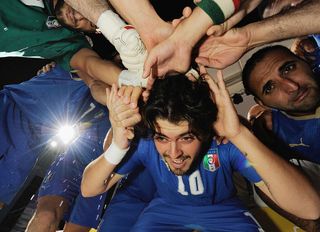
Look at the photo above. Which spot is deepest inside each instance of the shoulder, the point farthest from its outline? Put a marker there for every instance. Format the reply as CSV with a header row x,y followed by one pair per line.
x,y
144,145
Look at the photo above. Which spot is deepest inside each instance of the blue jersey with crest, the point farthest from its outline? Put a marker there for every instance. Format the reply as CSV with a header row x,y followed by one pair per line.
x,y
209,183
301,134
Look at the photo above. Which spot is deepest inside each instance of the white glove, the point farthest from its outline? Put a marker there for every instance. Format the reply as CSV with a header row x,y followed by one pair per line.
x,y
125,39
132,78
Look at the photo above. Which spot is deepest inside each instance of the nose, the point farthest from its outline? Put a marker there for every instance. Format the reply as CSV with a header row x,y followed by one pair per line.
x,y
175,150
289,86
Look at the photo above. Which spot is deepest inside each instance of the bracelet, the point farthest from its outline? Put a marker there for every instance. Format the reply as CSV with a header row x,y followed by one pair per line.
x,y
219,10
114,154
127,77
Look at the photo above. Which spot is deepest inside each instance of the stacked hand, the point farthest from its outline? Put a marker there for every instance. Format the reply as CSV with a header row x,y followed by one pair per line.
x,y
130,47
220,52
227,123
123,113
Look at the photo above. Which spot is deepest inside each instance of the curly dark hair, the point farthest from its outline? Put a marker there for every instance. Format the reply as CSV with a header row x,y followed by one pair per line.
x,y
176,99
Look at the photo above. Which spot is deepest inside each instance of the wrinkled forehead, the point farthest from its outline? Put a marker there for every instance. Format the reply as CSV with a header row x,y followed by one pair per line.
x,y
171,129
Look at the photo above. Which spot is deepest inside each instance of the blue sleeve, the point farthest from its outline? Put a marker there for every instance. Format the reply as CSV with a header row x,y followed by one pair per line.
x,y
242,165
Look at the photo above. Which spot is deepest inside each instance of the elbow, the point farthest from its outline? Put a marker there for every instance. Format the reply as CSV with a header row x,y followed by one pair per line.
x,y
86,189
311,212
314,208
85,192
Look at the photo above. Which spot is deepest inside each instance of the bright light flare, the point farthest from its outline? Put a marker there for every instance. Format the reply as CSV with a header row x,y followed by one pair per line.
x,y
54,144
67,133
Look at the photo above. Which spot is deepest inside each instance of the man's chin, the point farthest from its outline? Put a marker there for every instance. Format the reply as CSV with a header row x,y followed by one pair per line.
x,y
178,172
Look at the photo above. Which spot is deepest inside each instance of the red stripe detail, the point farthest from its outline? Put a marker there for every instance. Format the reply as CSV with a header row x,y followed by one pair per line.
x,y
128,27
236,4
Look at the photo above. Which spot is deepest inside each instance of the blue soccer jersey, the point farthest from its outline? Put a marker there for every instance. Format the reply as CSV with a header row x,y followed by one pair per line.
x,y
206,189
299,133
133,194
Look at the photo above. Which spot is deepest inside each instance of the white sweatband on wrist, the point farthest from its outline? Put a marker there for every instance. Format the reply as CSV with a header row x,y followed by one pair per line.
x,y
132,78
109,24
114,154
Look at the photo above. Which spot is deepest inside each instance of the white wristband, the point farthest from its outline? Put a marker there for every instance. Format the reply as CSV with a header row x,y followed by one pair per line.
x,y
114,154
127,77
109,23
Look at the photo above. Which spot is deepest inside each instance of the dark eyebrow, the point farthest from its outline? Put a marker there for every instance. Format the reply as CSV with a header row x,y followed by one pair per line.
x,y
181,135
159,134
284,65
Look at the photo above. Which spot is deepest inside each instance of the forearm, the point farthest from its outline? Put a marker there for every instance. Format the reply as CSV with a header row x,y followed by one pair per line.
x,y
98,175
280,177
95,177
90,63
208,13
295,22
193,28
89,9
139,13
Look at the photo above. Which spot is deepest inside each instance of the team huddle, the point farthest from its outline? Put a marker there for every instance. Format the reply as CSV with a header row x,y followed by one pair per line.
x,y
159,139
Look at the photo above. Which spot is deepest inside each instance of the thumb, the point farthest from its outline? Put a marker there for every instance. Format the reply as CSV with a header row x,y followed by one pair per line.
x,y
148,64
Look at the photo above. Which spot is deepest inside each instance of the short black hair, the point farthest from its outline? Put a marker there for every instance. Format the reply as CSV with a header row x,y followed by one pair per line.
x,y
176,99
256,58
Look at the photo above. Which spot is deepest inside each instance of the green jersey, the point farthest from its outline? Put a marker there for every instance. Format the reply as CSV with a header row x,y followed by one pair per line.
x,y
29,29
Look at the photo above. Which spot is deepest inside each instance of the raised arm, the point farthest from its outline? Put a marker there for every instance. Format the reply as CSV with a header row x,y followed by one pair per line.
x,y
142,15
91,10
97,176
89,62
282,182
174,54
220,52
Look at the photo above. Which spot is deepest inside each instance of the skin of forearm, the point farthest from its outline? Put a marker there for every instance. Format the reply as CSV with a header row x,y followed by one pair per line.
x,y
90,63
193,28
139,13
94,176
97,176
103,70
299,21
280,177
90,9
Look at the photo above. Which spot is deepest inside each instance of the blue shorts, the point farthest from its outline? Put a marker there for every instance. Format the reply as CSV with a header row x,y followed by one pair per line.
x,y
228,216
65,174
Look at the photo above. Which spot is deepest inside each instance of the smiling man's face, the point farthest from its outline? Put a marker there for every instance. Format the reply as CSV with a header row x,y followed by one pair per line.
x,y
177,145
281,80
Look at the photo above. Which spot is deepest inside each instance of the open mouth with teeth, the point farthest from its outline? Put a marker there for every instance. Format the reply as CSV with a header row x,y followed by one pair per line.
x,y
178,165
